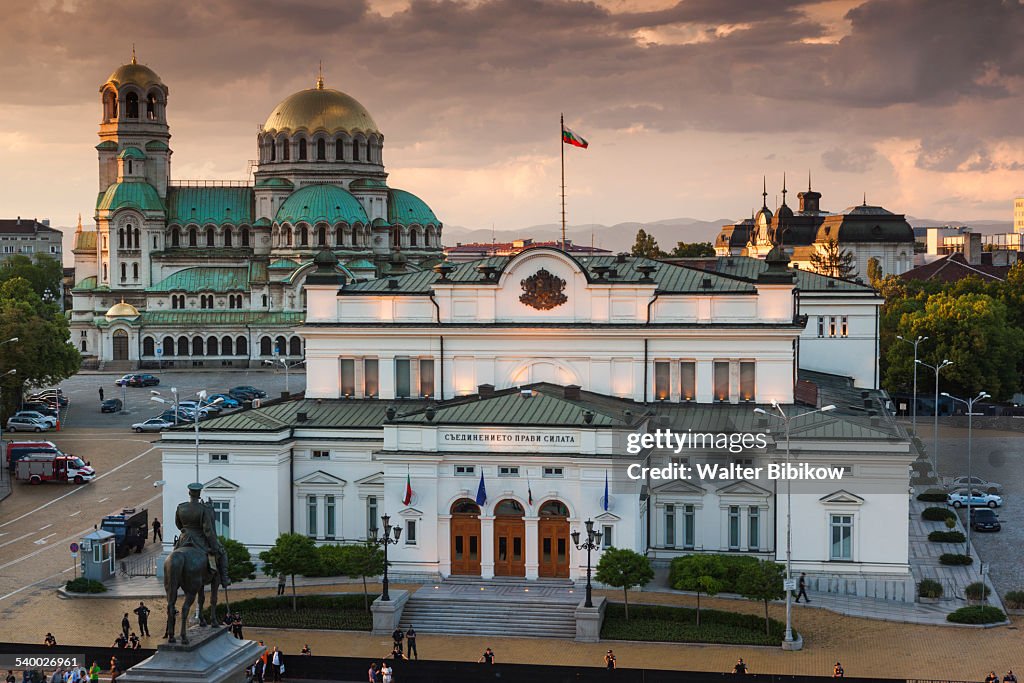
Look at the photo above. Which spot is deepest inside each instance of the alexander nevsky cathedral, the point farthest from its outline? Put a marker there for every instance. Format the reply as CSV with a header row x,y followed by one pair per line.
x,y
193,273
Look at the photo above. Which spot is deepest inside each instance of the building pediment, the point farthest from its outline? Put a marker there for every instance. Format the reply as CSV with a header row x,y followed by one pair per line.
x,y
842,497
220,484
742,488
410,512
607,518
375,479
320,478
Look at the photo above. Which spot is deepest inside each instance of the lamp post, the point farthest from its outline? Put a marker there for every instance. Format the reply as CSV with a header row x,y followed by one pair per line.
x,y
200,397
592,543
969,402
385,540
786,420
9,372
935,429
157,396
913,407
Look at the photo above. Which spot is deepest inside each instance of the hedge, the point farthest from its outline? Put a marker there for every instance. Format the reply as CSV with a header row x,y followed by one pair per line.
x,y
84,585
679,625
937,514
947,537
977,591
327,612
929,588
978,614
734,566
932,496
1014,599
955,559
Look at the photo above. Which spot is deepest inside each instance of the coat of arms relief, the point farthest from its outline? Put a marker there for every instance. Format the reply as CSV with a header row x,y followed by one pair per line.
x,y
543,291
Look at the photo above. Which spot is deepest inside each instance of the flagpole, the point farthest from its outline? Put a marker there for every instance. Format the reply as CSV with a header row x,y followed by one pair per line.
x,y
561,145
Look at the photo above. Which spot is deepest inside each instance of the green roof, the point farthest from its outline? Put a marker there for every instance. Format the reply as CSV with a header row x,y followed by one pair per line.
x,y
283,264
258,271
263,222
320,413
87,283
85,240
360,264
217,205
131,153
106,145
200,319
205,279
275,182
131,194
366,183
156,145
321,203
748,268
405,208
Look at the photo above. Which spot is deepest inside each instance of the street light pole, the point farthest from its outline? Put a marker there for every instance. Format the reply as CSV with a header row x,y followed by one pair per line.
x,y
935,429
385,540
786,420
593,542
9,372
914,400
969,402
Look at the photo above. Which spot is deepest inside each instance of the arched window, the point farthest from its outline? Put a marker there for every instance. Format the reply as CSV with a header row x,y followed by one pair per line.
x,y
295,348
302,149
339,149
355,150
193,238
104,271
554,508
414,237
151,107
109,105
396,236
129,167
83,345
227,237
120,238
183,346
264,301
281,346
197,346
227,346
131,104
339,235
266,346
168,346
135,271
137,235
321,236
509,508
241,346
211,346
286,148
209,237
304,236
124,272
245,237
321,150
175,237
465,507
288,236
273,151
148,347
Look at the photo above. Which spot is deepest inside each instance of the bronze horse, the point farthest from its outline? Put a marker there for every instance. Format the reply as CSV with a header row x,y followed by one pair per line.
x,y
188,568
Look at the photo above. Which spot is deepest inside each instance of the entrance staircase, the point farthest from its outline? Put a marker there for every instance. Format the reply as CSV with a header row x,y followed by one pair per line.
x,y
507,607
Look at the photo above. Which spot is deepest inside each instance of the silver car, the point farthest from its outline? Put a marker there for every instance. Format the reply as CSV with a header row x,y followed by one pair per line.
x,y
976,483
26,424
153,424
48,419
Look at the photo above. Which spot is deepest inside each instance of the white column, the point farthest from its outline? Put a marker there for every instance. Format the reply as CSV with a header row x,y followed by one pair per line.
x,y
532,548
487,547
444,545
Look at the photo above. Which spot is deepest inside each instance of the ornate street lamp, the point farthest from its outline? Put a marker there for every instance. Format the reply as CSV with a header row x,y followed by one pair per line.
x,y
592,543
385,540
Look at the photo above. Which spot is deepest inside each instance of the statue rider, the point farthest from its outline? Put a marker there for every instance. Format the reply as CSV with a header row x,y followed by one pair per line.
x,y
195,520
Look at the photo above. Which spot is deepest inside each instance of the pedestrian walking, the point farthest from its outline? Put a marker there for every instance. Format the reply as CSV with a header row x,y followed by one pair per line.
x,y
115,670
837,671
609,660
276,663
10,677
94,672
158,534
258,670
142,612
126,626
410,643
387,673
236,626
802,586
397,636
740,668
280,583
487,657
101,394
371,674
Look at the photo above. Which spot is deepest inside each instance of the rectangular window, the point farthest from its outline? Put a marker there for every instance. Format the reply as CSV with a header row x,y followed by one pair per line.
x,y
426,377
844,327
465,470
312,512
679,461
744,462
832,326
218,457
721,380
410,532
821,326
670,526
370,378
747,375
322,454
847,469
507,471
754,528
842,537
553,472
371,516
348,377
734,527
329,521
662,389
222,518
689,526
606,536
402,379
687,380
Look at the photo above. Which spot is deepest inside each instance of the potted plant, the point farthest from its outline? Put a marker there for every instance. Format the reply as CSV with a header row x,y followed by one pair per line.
x,y
977,593
929,591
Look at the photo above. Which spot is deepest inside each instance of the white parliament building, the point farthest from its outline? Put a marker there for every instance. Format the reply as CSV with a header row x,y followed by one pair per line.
x,y
529,373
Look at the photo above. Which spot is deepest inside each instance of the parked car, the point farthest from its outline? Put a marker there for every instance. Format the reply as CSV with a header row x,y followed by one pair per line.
x,y
124,380
111,405
984,519
975,483
153,424
26,424
144,380
226,401
193,407
249,392
168,416
959,499
49,396
43,408
48,419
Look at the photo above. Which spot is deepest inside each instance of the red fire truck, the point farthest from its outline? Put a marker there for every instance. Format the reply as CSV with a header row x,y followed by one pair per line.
x,y
41,467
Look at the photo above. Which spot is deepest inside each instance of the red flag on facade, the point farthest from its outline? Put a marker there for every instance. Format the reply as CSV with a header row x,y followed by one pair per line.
x,y
408,490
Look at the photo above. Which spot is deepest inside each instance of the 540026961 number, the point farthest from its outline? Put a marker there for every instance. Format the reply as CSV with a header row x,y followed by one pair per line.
x,y
40,661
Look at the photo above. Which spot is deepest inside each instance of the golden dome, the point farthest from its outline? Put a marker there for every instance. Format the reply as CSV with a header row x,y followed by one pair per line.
x,y
122,310
134,74
320,108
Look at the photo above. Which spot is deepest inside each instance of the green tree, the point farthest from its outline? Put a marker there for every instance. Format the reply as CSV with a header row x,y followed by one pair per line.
x,y
692,250
703,574
624,568
44,274
832,260
646,246
875,272
361,561
240,565
763,581
291,554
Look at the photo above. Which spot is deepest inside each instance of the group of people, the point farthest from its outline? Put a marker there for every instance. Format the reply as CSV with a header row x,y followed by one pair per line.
x,y
234,622
408,650
75,674
127,639
269,666
1010,677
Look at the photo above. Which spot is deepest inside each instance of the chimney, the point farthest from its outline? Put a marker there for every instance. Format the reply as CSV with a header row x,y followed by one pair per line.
x,y
572,392
972,248
485,390
301,417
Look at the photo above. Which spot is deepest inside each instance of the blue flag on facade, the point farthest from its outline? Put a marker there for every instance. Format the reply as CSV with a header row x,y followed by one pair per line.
x,y
604,501
481,491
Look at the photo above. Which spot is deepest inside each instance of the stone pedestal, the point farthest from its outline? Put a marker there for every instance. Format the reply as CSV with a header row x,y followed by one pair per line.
x,y
589,620
212,656
386,615
796,644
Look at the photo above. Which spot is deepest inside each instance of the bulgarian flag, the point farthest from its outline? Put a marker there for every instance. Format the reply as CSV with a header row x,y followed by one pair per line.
x,y
408,490
572,138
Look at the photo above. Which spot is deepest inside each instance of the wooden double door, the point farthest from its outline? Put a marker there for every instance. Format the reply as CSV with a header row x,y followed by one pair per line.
x,y
466,545
509,546
553,533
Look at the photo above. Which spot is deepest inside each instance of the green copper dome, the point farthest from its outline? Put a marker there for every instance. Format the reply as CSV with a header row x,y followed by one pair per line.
x,y
321,203
130,194
405,208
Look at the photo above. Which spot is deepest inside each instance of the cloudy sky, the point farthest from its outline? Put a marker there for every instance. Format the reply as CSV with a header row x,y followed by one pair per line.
x,y
686,104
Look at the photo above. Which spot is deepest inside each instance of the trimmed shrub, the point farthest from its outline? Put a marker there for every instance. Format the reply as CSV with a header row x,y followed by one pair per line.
x,y
946,537
1014,599
937,514
978,614
679,625
734,566
929,588
955,559
83,585
977,591
932,496
343,612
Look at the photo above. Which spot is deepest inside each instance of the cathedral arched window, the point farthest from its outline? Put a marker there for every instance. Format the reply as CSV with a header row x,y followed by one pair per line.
x,y
137,235
355,150
151,107
321,237
264,301
245,237
124,272
120,238
302,149
396,237
135,271
273,151
175,237
339,149
295,346
303,236
286,150
110,105
227,346
281,346
227,237
84,345
148,347
197,346
414,237
183,346
241,346
131,103
211,346
209,237
193,238
339,235
168,346
129,167
321,150
266,346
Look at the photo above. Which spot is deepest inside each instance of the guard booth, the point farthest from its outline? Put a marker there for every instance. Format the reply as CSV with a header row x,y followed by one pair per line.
x,y
97,554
